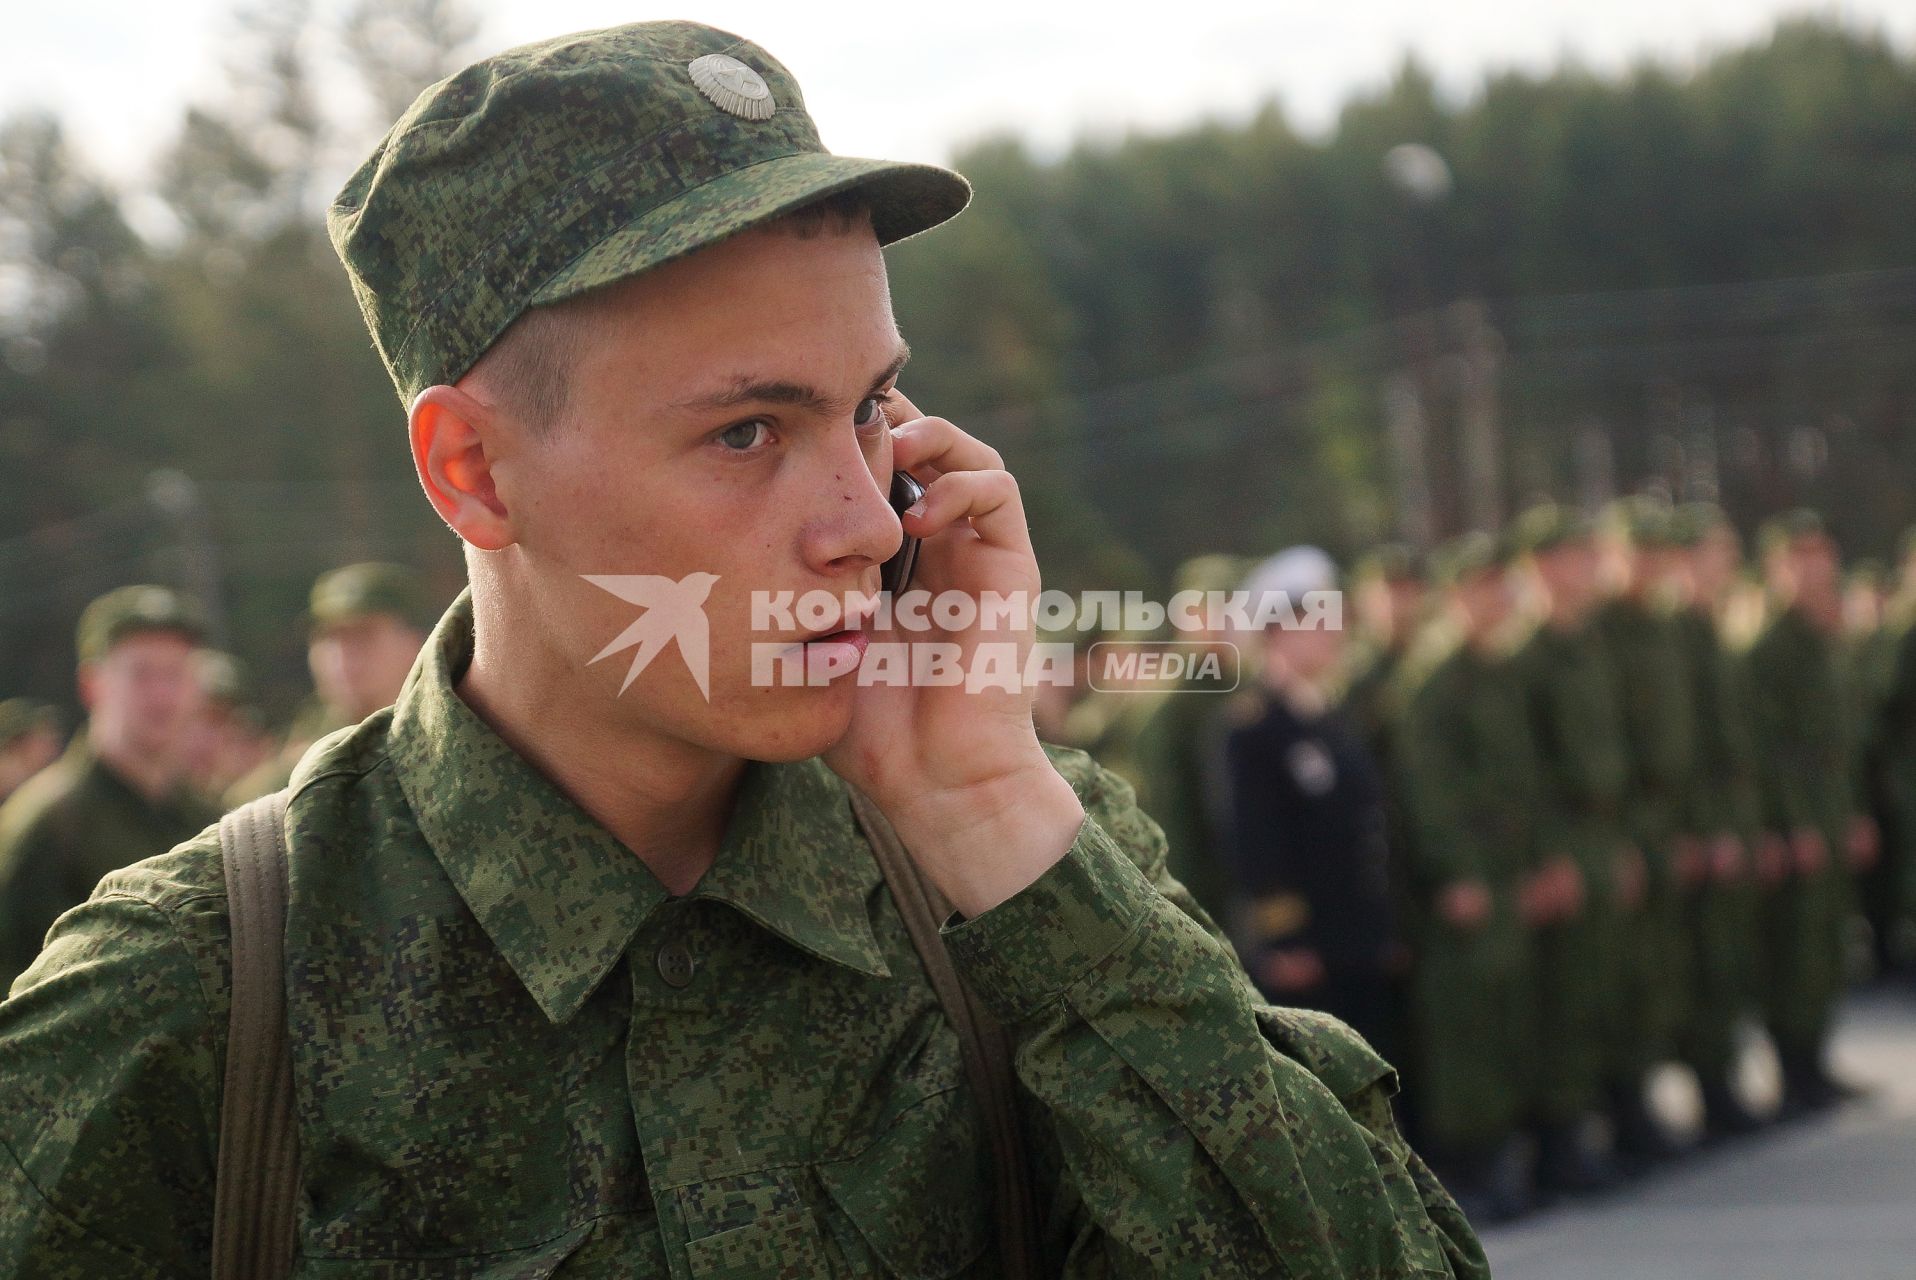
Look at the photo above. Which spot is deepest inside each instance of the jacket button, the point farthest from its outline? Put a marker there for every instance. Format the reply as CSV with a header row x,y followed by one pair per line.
x,y
676,963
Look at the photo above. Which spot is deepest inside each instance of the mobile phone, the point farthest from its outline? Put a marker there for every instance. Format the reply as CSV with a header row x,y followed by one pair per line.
x,y
895,575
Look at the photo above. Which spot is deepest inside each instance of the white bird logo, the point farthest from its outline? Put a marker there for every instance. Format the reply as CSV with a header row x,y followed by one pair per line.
x,y
673,611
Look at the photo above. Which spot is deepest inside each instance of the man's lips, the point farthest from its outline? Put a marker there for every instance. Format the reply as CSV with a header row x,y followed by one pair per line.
x,y
848,627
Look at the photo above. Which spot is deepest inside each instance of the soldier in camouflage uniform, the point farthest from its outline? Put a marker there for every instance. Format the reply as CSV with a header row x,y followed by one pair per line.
x,y
1389,591
1806,784
29,741
588,971
1872,636
1585,857
367,622
1639,630
1178,750
121,792
1467,770
1893,744
1719,907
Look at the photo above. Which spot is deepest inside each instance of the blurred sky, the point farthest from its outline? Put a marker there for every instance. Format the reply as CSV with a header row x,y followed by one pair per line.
x,y
908,80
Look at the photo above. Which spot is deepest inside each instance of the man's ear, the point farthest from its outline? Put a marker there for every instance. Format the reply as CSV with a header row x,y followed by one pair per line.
x,y
455,444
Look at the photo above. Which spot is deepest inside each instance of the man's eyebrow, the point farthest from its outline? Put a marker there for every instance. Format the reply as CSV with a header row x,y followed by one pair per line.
x,y
745,389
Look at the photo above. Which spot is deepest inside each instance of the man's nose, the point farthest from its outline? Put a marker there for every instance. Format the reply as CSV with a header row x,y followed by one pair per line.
x,y
852,526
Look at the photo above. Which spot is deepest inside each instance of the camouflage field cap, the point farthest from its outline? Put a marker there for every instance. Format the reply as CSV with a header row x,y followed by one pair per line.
x,y
126,611
1645,520
1467,555
1792,526
1547,526
367,589
21,716
549,169
1693,522
1211,572
1392,562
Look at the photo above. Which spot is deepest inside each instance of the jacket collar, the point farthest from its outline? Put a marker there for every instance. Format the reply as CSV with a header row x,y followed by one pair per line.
x,y
559,895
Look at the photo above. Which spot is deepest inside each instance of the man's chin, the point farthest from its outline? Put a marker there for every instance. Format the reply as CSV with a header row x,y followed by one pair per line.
x,y
802,724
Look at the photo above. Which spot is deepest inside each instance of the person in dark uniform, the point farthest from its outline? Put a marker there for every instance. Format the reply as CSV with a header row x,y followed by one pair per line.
x,y
1307,816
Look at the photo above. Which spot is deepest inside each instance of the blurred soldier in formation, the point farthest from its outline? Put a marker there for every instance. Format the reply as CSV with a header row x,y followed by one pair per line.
x,y
1389,595
1807,791
229,738
1719,902
1468,771
1892,746
368,622
1177,746
1640,634
120,793
1872,639
1588,875
29,742
1307,816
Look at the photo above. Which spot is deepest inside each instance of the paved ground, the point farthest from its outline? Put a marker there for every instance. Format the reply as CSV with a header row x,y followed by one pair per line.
x,y
1828,1199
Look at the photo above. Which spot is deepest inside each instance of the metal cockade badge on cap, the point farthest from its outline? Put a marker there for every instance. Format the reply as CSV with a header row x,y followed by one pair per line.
x,y
732,86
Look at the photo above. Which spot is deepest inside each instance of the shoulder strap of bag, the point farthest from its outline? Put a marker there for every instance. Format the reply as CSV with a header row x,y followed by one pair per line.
x,y
256,1191
986,1049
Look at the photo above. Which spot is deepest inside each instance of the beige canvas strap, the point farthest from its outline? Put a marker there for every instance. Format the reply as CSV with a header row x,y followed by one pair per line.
x,y
986,1049
256,1191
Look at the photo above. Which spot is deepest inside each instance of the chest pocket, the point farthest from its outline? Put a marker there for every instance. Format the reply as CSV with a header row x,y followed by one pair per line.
x,y
918,1199
911,1204
541,1262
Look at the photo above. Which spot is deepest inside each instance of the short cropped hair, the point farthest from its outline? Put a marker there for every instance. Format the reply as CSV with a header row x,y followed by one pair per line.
x,y
528,368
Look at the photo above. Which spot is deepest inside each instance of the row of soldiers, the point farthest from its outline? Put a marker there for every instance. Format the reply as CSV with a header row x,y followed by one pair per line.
x,y
173,735
1570,803
1561,806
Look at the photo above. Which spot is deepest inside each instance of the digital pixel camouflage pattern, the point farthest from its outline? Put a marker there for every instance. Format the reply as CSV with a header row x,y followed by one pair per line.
x,y
517,1056
553,168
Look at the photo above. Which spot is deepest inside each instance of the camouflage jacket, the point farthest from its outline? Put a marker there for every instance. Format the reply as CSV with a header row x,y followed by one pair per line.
x,y
1802,727
67,826
1577,728
517,1055
1468,769
1659,719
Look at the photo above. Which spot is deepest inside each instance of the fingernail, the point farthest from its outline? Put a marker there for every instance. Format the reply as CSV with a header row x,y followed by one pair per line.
x,y
916,509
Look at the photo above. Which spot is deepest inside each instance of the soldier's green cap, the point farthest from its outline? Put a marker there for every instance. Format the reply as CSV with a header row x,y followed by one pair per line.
x,y
1780,531
1215,572
1466,555
1391,562
366,589
1694,521
126,611
1547,526
555,167
1646,521
21,716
